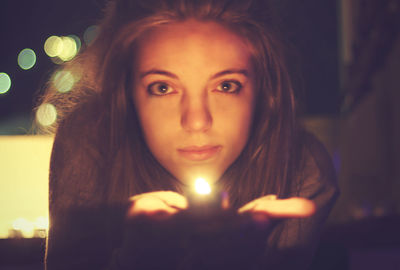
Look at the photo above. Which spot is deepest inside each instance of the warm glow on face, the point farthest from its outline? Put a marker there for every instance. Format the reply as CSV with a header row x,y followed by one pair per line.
x,y
193,92
202,187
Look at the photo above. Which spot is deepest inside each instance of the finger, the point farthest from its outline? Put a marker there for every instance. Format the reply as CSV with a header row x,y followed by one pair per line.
x,y
172,199
247,207
150,206
252,204
270,197
260,216
286,208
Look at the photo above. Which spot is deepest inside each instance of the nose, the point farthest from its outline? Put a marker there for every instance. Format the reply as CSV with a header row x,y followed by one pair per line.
x,y
196,116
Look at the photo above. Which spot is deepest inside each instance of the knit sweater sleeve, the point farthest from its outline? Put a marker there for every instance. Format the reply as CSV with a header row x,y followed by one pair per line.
x,y
292,243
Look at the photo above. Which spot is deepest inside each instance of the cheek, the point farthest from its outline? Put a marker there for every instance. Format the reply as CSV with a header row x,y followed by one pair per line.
x,y
235,113
234,125
157,125
242,125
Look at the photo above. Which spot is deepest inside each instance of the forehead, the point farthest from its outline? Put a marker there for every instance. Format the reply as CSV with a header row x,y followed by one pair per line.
x,y
184,44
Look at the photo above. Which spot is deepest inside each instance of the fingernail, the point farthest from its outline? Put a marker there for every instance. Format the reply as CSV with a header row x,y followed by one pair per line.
x,y
271,197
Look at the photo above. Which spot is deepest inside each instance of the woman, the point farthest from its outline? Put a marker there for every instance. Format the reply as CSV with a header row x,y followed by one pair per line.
x,y
169,91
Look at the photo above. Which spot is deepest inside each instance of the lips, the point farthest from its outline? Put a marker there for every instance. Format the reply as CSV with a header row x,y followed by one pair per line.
x,y
199,153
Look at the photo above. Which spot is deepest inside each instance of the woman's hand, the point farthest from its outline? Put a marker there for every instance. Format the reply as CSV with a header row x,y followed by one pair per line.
x,y
149,223
157,205
269,207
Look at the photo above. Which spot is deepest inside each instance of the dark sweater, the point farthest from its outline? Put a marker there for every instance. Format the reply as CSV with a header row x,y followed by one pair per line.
x,y
87,234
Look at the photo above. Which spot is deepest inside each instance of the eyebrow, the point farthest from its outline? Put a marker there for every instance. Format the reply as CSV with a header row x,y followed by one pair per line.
x,y
172,75
231,71
159,72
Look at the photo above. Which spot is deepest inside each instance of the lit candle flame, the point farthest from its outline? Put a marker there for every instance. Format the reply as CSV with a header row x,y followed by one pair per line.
x,y
202,187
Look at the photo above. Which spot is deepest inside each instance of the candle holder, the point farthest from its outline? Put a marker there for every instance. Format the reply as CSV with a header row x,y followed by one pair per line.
x,y
214,236
204,201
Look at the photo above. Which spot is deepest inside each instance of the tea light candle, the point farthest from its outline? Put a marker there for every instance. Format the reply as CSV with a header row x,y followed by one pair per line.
x,y
203,200
202,187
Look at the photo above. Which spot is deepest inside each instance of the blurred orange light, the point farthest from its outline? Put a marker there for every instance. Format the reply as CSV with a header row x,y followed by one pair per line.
x,y
42,223
26,227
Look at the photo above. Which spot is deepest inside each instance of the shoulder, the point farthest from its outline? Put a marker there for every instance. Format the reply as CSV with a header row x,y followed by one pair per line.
x,y
316,181
317,173
317,156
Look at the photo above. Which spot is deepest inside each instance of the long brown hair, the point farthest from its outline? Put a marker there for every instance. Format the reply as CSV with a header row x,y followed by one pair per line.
x,y
270,159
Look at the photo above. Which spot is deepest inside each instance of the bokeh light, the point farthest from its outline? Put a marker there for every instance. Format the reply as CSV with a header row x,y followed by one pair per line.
x,y
77,40
69,50
5,83
26,227
202,187
62,49
64,81
46,115
56,60
41,227
53,46
42,223
90,34
26,59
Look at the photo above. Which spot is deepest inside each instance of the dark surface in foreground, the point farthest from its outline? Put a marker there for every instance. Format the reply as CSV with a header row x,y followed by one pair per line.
x,y
362,244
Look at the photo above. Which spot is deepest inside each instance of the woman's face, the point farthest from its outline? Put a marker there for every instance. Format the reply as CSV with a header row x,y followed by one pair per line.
x,y
194,95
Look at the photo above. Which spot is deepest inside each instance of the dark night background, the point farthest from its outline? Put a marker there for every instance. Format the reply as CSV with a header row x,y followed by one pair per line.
x,y
27,24
309,26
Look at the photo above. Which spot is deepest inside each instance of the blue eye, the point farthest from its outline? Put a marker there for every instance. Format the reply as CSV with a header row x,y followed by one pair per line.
x,y
159,89
230,87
